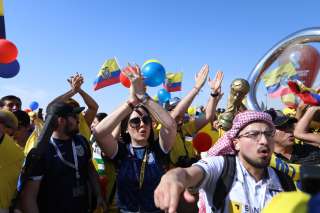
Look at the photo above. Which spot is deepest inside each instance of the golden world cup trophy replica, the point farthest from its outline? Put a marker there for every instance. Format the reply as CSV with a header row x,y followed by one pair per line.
x,y
239,89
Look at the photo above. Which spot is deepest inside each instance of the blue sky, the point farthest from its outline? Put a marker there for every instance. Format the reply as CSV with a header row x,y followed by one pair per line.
x,y
57,38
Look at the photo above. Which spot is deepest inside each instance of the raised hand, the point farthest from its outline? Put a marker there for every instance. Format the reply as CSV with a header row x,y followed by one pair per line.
x,y
75,82
201,76
215,84
137,85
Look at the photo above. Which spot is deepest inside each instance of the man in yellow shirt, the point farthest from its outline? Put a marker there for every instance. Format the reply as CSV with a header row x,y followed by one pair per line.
x,y
183,153
11,158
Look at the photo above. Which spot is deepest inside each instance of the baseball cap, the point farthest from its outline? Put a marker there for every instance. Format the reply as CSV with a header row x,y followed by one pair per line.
x,y
280,119
62,109
172,103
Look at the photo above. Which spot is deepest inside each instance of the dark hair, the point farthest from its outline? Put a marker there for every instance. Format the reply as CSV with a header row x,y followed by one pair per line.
x,y
125,136
9,98
23,118
101,115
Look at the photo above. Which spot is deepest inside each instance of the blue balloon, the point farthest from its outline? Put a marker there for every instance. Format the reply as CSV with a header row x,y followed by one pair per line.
x,y
153,73
163,95
33,105
9,70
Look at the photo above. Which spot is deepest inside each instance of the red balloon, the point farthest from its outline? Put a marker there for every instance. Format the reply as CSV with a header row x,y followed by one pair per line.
x,y
305,59
124,79
202,142
8,51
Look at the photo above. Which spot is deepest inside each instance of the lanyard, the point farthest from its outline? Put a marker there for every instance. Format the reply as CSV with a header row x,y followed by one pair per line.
x,y
75,158
143,166
246,191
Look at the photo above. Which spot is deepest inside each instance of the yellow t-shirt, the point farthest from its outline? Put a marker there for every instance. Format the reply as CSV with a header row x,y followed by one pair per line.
x,y
11,159
33,138
178,149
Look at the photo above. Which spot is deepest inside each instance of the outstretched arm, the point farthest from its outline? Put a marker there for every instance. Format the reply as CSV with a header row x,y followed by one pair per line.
x,y
183,105
173,184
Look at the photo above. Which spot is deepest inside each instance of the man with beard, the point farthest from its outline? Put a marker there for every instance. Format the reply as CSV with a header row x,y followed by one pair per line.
x,y
253,184
59,182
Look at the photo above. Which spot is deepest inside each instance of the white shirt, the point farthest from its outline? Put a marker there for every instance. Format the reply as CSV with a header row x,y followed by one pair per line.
x,y
246,195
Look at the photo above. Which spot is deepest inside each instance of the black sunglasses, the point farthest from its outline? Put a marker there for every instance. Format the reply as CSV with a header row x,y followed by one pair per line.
x,y
135,122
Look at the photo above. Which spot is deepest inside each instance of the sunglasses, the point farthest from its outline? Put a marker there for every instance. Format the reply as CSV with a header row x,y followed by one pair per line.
x,y
136,122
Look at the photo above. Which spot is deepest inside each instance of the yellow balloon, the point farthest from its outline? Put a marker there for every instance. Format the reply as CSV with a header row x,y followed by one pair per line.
x,y
150,61
192,111
155,98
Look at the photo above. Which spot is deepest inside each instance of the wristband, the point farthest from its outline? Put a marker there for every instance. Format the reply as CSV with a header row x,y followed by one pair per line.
x,y
216,94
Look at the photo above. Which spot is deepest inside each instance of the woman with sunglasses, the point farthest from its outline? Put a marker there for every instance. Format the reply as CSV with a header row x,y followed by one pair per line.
x,y
138,155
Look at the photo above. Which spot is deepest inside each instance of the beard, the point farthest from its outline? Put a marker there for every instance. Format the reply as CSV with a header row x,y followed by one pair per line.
x,y
260,163
71,131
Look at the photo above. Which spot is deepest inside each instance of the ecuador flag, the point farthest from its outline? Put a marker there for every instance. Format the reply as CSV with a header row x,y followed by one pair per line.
x,y
108,74
173,82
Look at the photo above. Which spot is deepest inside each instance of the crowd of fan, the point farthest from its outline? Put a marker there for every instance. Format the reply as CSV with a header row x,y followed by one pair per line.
x,y
140,158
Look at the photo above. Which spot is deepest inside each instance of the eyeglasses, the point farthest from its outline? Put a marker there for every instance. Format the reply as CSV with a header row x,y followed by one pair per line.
x,y
256,135
136,122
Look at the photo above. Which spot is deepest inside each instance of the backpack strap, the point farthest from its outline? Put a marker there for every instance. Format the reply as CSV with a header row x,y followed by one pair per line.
x,y
224,182
285,181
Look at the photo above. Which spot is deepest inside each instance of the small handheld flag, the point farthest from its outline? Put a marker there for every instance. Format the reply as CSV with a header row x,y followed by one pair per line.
x,y
109,74
173,82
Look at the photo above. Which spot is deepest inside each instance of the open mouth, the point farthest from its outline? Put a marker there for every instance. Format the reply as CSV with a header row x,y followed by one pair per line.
x,y
264,151
142,131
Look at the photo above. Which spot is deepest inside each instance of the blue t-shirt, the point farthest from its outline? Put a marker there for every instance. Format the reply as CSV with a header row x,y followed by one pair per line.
x,y
60,190
129,160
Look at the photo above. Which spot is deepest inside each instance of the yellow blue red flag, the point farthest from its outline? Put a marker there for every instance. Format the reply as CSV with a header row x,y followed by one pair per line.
x,y
109,74
278,77
173,82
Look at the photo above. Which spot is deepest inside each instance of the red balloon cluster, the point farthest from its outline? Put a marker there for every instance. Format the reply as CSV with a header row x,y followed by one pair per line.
x,y
202,142
305,59
124,79
9,66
